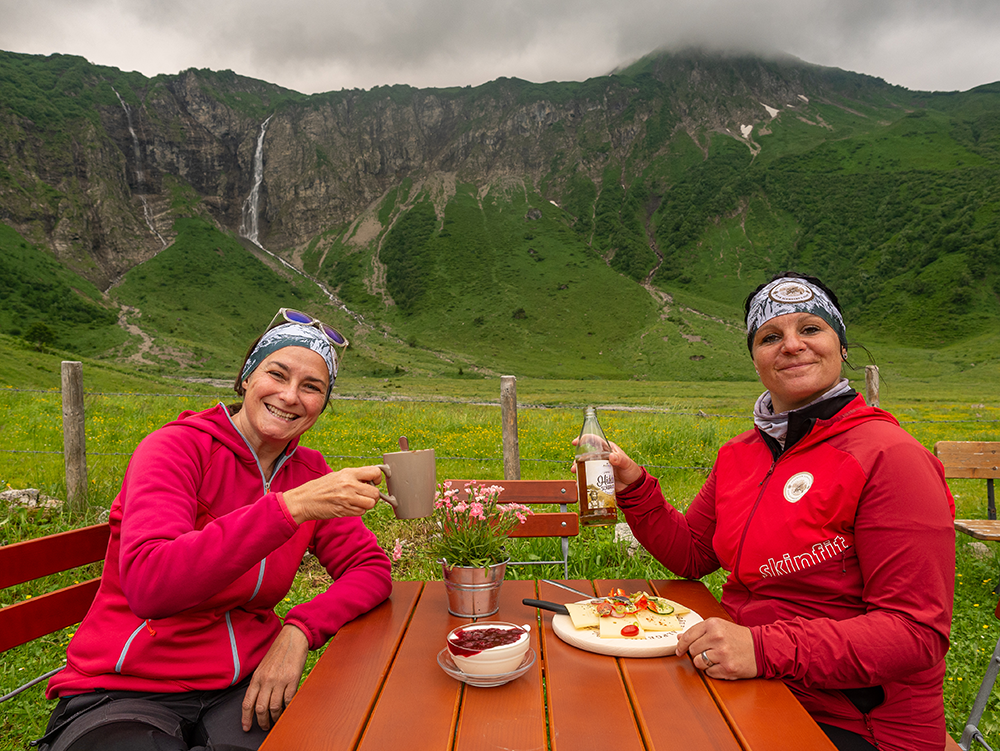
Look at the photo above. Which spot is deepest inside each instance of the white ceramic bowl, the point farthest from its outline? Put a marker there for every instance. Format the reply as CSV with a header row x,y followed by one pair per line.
x,y
488,647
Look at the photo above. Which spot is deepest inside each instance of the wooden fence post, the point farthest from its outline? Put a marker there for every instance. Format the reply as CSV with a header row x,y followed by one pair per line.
x,y
74,437
871,385
508,418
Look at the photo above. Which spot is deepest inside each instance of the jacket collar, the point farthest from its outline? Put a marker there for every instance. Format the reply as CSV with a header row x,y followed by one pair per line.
x,y
802,421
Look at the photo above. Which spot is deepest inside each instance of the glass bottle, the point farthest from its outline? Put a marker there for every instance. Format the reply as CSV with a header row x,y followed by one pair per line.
x,y
595,479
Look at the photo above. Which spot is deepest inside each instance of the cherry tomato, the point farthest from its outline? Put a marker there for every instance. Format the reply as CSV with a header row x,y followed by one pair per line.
x,y
630,630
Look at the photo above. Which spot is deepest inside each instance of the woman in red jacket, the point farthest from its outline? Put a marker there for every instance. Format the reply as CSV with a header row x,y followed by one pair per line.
x,y
181,648
836,528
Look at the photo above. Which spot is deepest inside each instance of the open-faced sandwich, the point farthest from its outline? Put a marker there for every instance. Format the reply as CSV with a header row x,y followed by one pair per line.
x,y
623,616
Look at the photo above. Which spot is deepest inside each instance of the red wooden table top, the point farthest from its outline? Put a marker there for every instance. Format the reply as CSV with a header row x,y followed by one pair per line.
x,y
378,686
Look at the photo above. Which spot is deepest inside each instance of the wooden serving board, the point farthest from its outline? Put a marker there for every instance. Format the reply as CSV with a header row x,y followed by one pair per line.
x,y
653,644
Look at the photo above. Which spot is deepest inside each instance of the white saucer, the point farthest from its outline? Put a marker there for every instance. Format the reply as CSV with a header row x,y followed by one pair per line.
x,y
484,681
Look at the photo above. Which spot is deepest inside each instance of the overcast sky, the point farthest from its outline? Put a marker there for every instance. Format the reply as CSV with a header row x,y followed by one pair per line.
x,y
324,45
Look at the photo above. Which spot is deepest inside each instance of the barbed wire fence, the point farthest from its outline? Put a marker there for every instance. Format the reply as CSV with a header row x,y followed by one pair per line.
x,y
666,411
471,402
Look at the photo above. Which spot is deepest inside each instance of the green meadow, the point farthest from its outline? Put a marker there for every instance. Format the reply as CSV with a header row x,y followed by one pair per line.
x,y
674,428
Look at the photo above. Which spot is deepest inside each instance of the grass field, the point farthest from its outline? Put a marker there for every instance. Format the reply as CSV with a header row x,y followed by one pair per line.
x,y
673,428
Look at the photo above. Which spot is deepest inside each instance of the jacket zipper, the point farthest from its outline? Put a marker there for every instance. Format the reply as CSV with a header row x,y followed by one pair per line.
x,y
746,527
232,646
128,643
760,495
871,730
263,562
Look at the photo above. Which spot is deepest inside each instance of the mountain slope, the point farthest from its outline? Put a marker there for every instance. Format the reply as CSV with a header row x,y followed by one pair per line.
x,y
605,228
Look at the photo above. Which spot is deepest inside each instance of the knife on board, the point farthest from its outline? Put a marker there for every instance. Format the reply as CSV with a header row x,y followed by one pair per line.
x,y
555,607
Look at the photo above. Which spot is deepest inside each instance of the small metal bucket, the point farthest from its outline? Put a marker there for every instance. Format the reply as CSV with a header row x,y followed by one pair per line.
x,y
473,592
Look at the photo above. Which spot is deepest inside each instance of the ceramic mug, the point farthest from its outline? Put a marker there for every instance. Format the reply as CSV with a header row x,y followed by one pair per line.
x,y
412,482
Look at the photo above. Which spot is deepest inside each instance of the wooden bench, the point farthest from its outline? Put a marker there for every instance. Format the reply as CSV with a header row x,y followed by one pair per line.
x,y
978,460
33,559
563,523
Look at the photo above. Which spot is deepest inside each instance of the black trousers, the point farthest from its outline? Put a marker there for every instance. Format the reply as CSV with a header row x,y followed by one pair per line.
x,y
142,721
845,740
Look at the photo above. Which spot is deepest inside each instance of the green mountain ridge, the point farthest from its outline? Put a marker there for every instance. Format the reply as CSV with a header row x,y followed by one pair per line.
x,y
608,228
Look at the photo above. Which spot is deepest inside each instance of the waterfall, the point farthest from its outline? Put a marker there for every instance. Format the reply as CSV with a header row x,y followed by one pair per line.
x,y
250,227
136,153
139,178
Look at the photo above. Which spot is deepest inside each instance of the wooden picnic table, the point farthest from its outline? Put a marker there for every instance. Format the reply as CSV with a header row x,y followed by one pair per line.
x,y
378,686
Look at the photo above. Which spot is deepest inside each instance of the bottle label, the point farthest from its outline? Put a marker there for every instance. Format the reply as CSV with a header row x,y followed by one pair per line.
x,y
600,484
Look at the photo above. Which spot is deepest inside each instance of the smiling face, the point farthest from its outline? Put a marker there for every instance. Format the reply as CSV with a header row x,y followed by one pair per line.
x,y
798,358
284,397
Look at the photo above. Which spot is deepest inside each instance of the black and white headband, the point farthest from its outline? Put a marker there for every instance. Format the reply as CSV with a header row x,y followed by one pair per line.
x,y
790,295
292,335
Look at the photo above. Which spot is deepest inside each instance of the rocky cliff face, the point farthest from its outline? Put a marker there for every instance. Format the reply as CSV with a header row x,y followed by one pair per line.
x,y
102,190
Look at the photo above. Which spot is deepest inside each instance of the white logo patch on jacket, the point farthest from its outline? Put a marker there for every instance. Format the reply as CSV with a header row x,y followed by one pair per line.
x,y
797,486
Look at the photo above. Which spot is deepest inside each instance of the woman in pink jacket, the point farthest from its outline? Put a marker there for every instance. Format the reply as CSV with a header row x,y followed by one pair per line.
x,y
182,648
836,528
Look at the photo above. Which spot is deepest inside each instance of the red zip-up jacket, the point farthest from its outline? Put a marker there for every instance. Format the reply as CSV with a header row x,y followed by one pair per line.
x,y
202,549
842,559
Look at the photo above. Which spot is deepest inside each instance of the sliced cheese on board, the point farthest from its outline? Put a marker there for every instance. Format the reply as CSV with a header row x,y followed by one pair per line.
x,y
583,614
611,628
653,622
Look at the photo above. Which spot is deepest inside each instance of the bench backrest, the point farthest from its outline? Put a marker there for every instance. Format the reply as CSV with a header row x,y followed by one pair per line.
x,y
978,460
562,523
32,559
969,459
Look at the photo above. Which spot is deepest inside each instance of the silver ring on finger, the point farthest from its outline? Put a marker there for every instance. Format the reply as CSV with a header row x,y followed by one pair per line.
x,y
704,657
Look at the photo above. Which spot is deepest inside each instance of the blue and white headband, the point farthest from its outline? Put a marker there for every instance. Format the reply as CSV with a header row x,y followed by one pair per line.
x,y
292,335
791,295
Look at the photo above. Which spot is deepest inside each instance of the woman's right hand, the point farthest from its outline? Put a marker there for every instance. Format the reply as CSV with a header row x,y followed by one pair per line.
x,y
350,492
626,470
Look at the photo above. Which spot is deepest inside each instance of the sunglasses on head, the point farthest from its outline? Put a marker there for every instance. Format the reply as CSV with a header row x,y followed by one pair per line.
x,y
288,315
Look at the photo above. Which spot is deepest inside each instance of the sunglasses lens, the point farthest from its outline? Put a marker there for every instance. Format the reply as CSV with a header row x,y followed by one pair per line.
x,y
297,316
335,336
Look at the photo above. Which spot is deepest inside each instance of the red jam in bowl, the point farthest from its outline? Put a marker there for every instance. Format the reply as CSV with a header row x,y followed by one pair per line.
x,y
471,641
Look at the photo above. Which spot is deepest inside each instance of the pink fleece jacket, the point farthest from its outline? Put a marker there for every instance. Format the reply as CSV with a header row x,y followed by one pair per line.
x,y
202,549
842,561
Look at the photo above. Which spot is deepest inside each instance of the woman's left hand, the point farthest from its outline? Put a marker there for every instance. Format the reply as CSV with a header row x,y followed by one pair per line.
x,y
276,679
721,648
